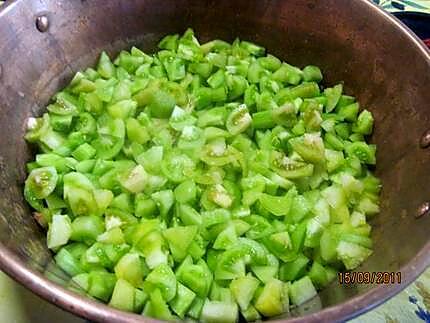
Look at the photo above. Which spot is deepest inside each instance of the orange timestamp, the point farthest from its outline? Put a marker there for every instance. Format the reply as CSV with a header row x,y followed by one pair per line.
x,y
370,277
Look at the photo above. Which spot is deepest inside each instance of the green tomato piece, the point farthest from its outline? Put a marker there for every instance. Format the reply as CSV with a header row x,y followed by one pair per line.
x,y
301,291
182,301
273,300
163,279
41,182
60,231
243,290
129,268
222,312
123,296
238,120
157,307
179,240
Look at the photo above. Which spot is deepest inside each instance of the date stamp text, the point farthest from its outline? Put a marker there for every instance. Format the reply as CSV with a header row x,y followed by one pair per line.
x,y
370,277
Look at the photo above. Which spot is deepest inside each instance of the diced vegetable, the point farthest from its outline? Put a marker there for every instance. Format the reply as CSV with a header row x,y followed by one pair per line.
x,y
182,301
243,290
222,312
273,300
203,180
301,291
59,231
123,296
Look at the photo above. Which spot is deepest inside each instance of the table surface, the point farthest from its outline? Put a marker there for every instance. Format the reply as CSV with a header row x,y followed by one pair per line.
x,y
18,305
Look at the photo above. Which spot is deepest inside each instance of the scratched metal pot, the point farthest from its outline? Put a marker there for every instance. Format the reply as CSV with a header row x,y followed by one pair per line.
x,y
43,42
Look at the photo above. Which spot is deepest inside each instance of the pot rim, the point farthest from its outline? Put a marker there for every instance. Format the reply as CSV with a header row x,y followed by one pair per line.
x,y
87,308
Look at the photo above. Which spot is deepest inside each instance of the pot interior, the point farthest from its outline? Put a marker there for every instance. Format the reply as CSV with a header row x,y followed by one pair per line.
x,y
350,41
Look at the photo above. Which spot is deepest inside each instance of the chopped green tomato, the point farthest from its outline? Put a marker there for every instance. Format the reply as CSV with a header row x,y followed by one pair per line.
x,y
110,137
101,284
263,120
288,74
160,102
230,264
144,207
333,95
37,128
84,152
86,228
61,123
285,115
219,195
59,231
312,73
252,48
152,247
226,239
364,123
251,314
321,276
265,273
186,192
304,90
113,236
273,300
41,182
269,62
238,120
136,132
310,147
105,67
169,42
65,104
163,278
129,268
293,270
202,180
157,307
196,277
222,312
301,291
276,205
243,290
122,109
196,308
188,215
349,112
179,240
352,254
140,298
67,262
123,296
334,159
175,166
136,180
81,280
345,100
289,168
182,301
364,152
164,201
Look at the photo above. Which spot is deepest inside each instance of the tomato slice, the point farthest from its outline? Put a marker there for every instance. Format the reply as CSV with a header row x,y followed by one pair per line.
x,y
41,182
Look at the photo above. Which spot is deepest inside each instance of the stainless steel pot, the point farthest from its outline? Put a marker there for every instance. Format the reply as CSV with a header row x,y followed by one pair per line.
x,y
43,42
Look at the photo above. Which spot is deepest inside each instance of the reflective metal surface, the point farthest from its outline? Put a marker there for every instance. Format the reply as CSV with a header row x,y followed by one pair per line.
x,y
382,64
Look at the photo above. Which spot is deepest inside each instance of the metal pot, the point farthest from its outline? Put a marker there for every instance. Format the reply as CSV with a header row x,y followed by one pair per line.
x,y
42,43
